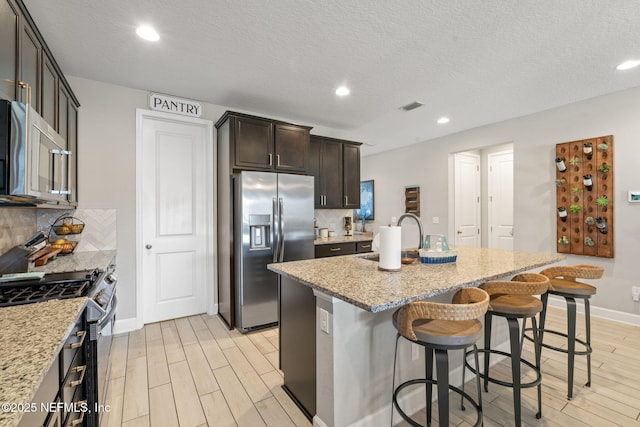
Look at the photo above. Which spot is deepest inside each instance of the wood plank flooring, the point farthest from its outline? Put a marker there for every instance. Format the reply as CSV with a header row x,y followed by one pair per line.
x,y
194,372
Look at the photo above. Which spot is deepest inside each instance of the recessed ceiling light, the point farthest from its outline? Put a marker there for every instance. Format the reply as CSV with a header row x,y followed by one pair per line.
x,y
343,91
443,120
148,33
628,65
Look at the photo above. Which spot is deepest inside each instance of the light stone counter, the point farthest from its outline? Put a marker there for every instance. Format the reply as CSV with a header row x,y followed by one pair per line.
x,y
343,239
31,336
354,334
357,280
77,261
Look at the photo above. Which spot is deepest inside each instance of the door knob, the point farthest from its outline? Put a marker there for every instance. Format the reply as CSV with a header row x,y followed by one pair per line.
x,y
148,246
459,231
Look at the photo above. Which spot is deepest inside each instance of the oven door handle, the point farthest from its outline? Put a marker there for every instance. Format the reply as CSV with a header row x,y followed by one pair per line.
x,y
107,317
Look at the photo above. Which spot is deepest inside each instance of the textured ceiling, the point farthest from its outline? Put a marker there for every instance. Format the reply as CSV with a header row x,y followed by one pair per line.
x,y
477,62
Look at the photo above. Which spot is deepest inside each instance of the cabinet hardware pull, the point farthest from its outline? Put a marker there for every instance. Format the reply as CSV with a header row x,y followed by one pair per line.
x,y
365,246
79,381
335,249
346,200
79,420
278,160
81,335
270,159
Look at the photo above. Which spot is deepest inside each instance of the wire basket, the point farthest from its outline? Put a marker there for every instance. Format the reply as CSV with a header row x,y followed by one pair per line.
x,y
65,248
67,225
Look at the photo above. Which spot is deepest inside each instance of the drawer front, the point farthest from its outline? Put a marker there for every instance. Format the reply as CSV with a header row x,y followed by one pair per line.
x,y
73,344
73,386
362,247
336,249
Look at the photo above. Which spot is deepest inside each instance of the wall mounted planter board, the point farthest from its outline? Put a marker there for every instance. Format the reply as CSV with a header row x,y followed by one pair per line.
x,y
586,204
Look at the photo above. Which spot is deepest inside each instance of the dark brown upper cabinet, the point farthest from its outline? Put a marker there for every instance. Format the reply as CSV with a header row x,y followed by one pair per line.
x,y
9,31
335,164
30,68
256,143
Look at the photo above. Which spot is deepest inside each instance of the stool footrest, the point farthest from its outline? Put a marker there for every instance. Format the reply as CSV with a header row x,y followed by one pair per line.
x,y
588,349
411,421
533,383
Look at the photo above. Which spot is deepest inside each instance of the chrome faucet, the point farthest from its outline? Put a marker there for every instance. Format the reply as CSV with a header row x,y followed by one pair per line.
x,y
410,215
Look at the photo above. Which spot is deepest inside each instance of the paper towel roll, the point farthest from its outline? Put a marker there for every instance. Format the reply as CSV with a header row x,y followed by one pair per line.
x,y
390,242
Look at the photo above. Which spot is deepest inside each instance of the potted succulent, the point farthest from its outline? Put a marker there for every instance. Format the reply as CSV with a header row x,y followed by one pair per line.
x,y
575,190
604,168
575,208
563,240
560,182
602,201
589,241
575,161
589,220
602,146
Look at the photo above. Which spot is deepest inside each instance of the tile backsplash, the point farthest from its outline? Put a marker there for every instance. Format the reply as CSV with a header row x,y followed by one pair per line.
x,y
16,226
99,232
332,219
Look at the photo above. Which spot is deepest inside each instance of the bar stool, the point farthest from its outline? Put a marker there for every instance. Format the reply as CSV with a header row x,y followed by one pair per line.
x,y
563,283
514,300
439,328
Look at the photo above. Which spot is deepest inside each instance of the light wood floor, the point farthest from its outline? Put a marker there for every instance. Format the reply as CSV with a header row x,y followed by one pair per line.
x,y
194,372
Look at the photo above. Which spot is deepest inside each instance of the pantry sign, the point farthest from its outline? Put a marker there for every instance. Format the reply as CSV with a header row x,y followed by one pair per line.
x,y
171,104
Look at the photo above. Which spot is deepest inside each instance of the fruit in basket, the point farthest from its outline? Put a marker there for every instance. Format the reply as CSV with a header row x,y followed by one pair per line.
x,y
77,228
63,229
60,242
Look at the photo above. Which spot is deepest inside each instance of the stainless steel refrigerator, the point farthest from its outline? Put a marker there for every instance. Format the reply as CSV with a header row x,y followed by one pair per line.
x,y
273,222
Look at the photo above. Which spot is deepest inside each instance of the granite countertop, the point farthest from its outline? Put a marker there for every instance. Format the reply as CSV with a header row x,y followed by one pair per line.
x,y
366,237
77,261
357,280
31,336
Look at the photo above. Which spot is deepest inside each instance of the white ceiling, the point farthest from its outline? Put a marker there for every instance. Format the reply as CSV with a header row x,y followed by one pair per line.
x,y
477,62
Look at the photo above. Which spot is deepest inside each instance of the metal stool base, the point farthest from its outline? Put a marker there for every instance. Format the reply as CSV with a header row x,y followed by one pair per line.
x,y
533,383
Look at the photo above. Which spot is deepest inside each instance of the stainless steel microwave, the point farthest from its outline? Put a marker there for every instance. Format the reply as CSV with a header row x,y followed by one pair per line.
x,y
34,161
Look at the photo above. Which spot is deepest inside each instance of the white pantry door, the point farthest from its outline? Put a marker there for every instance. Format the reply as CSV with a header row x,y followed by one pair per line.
x,y
500,188
467,199
174,215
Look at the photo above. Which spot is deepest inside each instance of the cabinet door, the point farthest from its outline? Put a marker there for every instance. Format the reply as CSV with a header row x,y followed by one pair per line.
x,y
63,116
331,174
49,98
9,21
351,159
253,144
292,148
29,68
315,148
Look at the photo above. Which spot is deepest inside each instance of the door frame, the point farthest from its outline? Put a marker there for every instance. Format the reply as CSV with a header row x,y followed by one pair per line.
x,y
452,194
211,267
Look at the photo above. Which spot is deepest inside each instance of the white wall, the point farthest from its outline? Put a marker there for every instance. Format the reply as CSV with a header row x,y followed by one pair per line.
x,y
107,161
534,138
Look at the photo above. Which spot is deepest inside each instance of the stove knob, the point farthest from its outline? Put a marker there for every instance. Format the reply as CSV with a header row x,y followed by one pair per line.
x,y
111,278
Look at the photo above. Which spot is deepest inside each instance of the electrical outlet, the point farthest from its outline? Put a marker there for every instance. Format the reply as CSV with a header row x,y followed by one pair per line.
x,y
436,220
324,321
635,293
415,351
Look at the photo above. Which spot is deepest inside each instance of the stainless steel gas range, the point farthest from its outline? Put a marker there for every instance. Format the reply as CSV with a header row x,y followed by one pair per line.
x,y
97,285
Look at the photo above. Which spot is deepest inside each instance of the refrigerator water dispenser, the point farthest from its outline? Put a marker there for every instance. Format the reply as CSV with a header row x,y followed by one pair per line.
x,y
259,231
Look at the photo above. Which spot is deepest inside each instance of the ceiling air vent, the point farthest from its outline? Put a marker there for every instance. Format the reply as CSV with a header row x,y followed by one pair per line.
x,y
412,106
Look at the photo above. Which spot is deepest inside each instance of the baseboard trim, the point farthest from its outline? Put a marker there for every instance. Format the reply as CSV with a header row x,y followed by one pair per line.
x,y
317,422
125,325
604,313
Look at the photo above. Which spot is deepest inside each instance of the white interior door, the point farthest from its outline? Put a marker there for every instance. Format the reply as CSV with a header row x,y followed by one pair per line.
x,y
174,205
467,199
500,189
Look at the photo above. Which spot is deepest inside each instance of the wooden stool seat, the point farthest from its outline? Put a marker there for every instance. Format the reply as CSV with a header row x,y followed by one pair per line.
x,y
450,333
570,287
517,305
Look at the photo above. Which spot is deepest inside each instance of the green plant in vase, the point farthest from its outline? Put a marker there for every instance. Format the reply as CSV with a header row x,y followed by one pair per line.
x,y
604,168
575,161
575,208
603,147
602,201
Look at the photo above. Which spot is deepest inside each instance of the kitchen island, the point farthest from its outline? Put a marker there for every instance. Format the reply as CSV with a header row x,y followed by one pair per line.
x,y
354,334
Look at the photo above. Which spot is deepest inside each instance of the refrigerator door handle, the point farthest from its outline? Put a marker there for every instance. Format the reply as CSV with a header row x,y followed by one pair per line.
x,y
275,218
281,227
